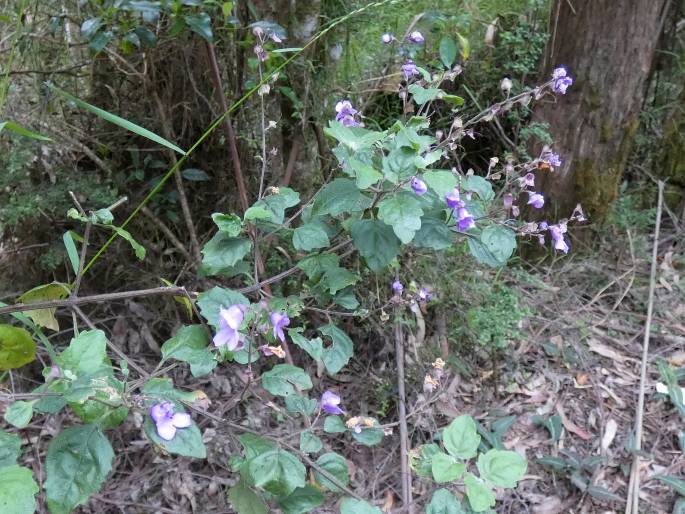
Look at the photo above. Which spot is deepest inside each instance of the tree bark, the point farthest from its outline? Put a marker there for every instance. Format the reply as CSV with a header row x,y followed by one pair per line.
x,y
608,47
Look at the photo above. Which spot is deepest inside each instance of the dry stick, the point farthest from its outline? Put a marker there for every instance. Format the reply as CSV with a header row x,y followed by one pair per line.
x,y
167,232
402,411
634,485
187,215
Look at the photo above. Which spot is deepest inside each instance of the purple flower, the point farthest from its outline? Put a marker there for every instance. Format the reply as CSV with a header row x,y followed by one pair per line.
x,y
561,80
554,160
559,73
536,200
508,200
557,233
418,186
229,323
345,113
330,402
528,180
424,295
54,373
453,199
541,239
515,210
409,69
464,219
260,53
397,287
167,421
387,38
543,225
578,214
279,320
416,37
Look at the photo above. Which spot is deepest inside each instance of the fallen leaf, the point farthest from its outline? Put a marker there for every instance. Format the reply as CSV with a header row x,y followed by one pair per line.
x,y
570,426
609,433
389,502
582,379
605,351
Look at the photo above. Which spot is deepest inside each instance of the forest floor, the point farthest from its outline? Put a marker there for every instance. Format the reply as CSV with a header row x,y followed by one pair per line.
x,y
571,382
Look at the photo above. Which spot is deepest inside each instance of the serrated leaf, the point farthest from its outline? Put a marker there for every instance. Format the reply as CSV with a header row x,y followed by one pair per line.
x,y
442,182
299,404
313,347
355,138
277,471
223,252
500,242
376,242
19,413
424,95
230,224
310,236
245,501
368,436
283,378
336,465
446,468
461,437
338,197
17,347
272,207
403,212
421,459
365,174
480,186
190,345
10,448
77,464
334,425
433,234
17,490
504,468
337,279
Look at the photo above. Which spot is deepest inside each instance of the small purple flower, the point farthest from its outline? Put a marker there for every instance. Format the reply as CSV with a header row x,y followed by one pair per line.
x,y
543,225
453,199
330,402
536,200
557,233
54,373
409,69
345,113
515,210
541,239
387,38
561,80
554,160
578,214
397,287
418,186
424,295
260,53
416,37
464,219
508,200
528,180
279,320
167,421
229,323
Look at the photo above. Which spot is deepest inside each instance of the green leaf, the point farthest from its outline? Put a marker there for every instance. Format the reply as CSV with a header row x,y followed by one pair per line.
x,y
444,502
433,234
277,471
283,378
310,236
338,197
10,448
448,51
556,463
272,208
309,443
352,506
222,252
421,459
399,164
500,242
453,99
465,46
45,317
72,253
211,301
19,413
334,425
121,122
18,129
675,393
461,437
403,212
17,490
187,441
201,24
230,224
376,242
338,354
78,462
442,182
336,465
300,404
17,347
445,468
190,345
138,249
424,95
482,254
337,279
316,265
254,445
313,347
674,483
480,494
195,175
365,174
301,500
85,353
355,138
480,186
603,494
90,26
245,501
504,468
552,423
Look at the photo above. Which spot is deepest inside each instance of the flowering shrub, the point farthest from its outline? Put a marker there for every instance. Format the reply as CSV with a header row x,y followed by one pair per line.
x,y
396,190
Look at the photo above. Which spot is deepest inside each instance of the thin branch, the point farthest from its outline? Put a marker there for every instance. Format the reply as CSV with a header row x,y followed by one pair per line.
x,y
167,232
402,411
633,499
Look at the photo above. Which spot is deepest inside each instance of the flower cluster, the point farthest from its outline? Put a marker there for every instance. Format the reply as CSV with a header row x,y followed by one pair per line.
x,y
346,114
561,80
409,69
464,218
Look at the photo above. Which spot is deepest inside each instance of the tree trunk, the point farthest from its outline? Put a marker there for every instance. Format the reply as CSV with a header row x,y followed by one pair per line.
x,y
608,48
